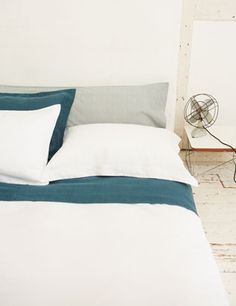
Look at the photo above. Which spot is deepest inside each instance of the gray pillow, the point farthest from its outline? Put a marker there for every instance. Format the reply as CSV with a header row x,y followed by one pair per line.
x,y
143,105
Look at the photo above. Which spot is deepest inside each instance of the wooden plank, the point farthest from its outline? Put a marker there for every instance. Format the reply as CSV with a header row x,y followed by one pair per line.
x,y
216,206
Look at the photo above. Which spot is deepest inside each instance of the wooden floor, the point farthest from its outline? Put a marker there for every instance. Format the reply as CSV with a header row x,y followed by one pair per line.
x,y
216,203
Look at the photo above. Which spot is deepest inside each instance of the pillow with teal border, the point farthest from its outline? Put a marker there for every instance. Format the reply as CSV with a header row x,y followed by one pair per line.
x,y
33,101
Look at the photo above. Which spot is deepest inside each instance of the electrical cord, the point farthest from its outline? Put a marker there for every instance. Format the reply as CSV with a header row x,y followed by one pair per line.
x,y
227,145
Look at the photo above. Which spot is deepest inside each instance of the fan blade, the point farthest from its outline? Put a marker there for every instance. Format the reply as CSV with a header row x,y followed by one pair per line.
x,y
208,103
195,105
206,116
194,117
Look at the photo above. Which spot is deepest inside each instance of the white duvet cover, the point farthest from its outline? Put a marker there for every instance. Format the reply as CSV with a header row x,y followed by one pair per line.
x,y
54,254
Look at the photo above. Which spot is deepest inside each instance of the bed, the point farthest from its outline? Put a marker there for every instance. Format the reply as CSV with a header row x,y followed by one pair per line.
x,y
104,215
96,208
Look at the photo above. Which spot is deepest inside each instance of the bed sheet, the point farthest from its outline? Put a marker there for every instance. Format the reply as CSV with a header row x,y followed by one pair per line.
x,y
55,254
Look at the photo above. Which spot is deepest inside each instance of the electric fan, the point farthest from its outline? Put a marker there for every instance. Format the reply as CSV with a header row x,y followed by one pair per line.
x,y
201,111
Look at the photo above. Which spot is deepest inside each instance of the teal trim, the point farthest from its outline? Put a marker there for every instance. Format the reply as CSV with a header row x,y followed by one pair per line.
x,y
104,190
33,101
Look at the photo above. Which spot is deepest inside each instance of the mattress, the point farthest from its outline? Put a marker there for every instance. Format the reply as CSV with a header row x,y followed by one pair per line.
x,y
140,244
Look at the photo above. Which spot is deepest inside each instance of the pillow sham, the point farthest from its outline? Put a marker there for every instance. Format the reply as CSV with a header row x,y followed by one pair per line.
x,y
119,150
32,101
25,138
144,105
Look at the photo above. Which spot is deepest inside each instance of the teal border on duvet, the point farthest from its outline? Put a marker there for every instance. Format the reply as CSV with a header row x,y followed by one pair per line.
x,y
97,189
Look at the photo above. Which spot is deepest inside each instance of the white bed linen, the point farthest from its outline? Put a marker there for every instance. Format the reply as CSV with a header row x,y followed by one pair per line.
x,y
119,150
56,254
25,136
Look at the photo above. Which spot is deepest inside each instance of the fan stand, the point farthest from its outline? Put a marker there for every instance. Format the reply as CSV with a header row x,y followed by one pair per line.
x,y
199,131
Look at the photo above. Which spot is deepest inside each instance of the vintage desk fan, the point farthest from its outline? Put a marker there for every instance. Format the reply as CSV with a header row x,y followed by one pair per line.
x,y
201,111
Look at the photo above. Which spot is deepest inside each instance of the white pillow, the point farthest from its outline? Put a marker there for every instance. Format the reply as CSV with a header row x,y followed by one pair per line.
x,y
119,150
24,144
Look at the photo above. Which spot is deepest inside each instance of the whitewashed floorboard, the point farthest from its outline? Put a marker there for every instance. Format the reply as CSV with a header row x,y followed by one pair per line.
x,y
216,203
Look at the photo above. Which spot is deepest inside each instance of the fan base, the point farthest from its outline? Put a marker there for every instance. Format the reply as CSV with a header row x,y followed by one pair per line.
x,y
198,132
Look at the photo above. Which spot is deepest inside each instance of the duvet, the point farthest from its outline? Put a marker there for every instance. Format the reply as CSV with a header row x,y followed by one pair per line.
x,y
105,242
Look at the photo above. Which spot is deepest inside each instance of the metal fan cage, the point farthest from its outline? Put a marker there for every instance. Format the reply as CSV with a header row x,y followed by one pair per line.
x,y
200,114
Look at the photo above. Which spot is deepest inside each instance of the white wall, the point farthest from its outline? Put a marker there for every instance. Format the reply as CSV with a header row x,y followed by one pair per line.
x,y
51,42
89,42
213,66
46,18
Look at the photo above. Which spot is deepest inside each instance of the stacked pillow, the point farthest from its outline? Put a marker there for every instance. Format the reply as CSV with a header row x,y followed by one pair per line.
x,y
116,131
143,104
33,101
119,150
31,131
